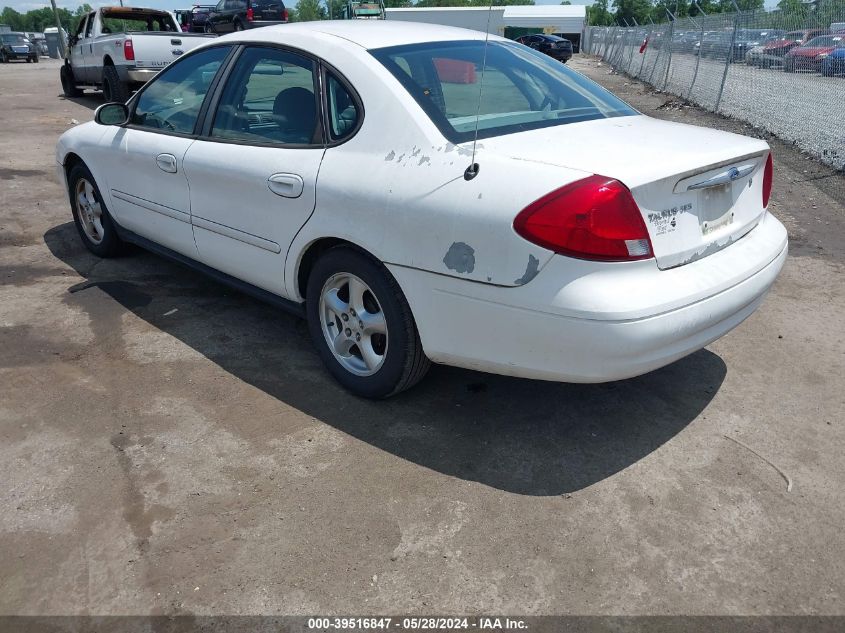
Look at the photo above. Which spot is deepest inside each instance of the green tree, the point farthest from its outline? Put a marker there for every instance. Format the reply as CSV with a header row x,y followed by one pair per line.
x,y
630,10
565,3
598,14
309,10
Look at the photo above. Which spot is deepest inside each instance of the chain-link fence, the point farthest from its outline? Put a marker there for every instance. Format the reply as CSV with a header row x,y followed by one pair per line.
x,y
782,73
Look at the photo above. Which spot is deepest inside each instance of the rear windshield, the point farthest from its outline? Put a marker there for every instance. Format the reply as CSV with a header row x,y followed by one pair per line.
x,y
522,89
135,23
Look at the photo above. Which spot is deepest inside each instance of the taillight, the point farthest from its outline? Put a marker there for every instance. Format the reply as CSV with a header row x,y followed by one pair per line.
x,y
128,51
594,218
285,14
250,15
767,181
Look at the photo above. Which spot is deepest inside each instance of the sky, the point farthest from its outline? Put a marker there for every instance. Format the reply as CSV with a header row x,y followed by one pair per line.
x,y
26,5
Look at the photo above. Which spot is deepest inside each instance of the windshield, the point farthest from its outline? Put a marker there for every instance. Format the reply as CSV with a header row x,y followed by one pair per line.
x,y
523,89
14,38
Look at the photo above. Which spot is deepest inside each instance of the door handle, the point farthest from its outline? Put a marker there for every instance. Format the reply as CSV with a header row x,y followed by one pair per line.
x,y
286,185
166,162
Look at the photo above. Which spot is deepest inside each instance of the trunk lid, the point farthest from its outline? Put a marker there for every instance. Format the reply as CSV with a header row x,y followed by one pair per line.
x,y
698,189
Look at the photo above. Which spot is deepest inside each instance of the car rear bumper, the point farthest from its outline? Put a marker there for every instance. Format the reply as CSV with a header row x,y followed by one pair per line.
x,y
259,23
141,75
563,55
583,321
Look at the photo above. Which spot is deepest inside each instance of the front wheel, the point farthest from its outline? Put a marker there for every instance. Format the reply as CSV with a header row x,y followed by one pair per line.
x,y
209,29
362,325
238,27
69,83
90,214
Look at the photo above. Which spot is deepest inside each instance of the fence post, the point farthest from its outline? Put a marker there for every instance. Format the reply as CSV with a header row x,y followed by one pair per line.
x,y
654,67
669,61
729,57
697,59
645,52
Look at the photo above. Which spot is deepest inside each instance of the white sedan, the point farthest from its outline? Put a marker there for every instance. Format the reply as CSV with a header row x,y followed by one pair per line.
x,y
328,167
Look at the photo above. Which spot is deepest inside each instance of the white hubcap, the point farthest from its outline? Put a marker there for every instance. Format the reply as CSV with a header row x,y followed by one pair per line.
x,y
353,324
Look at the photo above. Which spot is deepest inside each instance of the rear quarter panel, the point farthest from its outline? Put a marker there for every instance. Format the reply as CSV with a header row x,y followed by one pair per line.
x,y
397,189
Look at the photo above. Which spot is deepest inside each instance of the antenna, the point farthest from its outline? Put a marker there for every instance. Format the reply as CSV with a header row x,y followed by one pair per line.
x,y
472,171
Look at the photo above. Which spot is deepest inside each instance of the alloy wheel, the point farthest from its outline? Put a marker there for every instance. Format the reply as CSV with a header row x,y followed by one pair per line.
x,y
89,211
353,324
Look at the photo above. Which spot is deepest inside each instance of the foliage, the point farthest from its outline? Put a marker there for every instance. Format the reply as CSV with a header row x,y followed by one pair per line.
x,y
39,19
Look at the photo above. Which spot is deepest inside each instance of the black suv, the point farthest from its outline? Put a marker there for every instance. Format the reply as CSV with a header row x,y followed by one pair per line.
x,y
17,46
558,47
237,15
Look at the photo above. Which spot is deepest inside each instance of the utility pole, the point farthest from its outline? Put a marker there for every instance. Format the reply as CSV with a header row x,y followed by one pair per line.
x,y
61,33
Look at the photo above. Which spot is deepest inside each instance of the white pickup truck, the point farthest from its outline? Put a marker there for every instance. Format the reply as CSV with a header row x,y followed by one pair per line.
x,y
118,49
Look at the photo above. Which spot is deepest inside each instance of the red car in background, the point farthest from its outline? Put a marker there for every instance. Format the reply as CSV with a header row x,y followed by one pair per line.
x,y
811,55
793,39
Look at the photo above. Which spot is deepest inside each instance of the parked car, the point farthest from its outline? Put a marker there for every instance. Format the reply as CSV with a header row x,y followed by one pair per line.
x,y
775,50
117,49
199,17
834,64
748,39
558,47
811,55
714,44
17,46
325,167
237,15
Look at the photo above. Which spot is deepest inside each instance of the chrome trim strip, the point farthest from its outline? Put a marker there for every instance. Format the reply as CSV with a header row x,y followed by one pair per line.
x,y
152,206
728,176
235,234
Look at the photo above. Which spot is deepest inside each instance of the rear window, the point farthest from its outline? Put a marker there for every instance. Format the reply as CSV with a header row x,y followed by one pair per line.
x,y
522,89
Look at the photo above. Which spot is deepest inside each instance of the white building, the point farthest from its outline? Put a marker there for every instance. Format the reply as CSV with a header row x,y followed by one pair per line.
x,y
510,21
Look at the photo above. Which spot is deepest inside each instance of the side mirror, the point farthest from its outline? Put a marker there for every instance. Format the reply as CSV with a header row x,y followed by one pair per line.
x,y
112,114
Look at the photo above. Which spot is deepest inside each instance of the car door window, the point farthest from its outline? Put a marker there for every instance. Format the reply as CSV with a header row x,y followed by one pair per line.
x,y
269,98
343,111
171,102
80,29
89,27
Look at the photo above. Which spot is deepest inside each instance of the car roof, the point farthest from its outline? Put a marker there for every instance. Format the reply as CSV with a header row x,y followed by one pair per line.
x,y
367,34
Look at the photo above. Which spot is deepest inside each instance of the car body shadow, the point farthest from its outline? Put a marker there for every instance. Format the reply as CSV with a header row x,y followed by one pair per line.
x,y
91,100
521,436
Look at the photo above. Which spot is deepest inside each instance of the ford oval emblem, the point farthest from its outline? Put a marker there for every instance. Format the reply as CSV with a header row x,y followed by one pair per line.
x,y
177,51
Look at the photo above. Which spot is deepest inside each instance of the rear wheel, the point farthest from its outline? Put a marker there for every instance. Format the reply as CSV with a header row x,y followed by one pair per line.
x,y
362,325
35,59
68,82
209,28
90,214
113,88
3,58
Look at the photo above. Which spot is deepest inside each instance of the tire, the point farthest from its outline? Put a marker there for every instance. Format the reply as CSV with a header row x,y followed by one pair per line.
x,y
99,235
209,28
397,358
114,90
3,58
238,27
35,60
29,60
68,82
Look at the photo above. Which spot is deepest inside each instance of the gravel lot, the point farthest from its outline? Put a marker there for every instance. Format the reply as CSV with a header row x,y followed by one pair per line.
x,y
803,108
170,446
